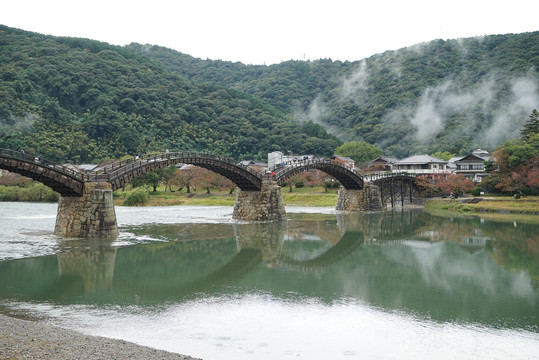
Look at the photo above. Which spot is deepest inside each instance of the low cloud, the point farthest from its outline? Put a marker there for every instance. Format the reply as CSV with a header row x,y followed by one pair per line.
x,y
510,118
355,86
439,104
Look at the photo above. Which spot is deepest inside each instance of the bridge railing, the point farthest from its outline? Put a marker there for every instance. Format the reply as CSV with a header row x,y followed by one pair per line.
x,y
38,160
112,170
385,175
286,166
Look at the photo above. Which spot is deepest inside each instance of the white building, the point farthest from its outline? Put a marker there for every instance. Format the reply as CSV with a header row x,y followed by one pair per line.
x,y
277,157
421,164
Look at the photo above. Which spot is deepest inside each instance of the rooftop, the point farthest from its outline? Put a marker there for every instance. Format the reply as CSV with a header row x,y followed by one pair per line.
x,y
421,159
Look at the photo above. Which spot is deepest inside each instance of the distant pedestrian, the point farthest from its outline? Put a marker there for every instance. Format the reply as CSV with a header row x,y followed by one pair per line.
x,y
166,151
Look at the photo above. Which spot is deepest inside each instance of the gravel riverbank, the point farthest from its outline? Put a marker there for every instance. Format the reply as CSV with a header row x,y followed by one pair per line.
x,y
24,339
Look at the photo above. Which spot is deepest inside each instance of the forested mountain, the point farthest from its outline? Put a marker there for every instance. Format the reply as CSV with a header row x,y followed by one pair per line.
x,y
454,95
83,100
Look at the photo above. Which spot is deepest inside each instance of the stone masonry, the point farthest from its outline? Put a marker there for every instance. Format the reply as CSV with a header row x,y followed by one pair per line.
x,y
90,216
366,199
264,205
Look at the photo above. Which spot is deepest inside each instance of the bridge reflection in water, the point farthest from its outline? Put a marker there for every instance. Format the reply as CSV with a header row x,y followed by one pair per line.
x,y
446,270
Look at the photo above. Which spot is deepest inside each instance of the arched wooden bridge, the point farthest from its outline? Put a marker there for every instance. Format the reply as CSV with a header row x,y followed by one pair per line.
x,y
348,178
86,207
120,172
69,182
62,179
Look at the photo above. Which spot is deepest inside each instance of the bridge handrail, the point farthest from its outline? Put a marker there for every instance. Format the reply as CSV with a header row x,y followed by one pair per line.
x,y
286,166
385,175
38,160
111,170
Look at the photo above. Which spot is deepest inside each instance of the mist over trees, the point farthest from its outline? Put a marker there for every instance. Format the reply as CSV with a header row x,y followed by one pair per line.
x,y
81,100
441,96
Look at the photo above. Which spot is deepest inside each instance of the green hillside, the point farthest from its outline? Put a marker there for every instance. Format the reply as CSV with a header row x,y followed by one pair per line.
x,y
81,100
454,95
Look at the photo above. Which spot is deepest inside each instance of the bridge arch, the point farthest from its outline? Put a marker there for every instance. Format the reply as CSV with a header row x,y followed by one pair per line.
x,y
348,178
350,241
61,179
396,188
119,173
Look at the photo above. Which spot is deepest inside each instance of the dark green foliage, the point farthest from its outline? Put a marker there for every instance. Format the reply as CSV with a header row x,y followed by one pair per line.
x,y
531,127
81,100
84,100
137,197
32,193
361,152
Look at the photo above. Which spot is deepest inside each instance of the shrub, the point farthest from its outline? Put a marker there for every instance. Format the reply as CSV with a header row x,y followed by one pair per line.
x,y
136,198
299,184
32,193
476,191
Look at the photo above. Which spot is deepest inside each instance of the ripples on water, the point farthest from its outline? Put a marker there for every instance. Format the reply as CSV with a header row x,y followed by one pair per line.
x,y
444,290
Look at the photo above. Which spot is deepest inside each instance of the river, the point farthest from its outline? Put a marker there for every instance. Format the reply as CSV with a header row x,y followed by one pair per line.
x,y
323,285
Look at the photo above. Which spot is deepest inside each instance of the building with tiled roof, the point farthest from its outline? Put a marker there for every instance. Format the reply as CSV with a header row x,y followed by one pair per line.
x,y
421,164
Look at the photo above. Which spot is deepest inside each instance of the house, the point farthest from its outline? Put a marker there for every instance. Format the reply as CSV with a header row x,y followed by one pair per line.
x,y
421,164
383,163
277,157
346,161
473,165
246,163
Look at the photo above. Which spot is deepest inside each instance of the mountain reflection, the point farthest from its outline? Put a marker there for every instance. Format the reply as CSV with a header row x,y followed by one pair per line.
x,y
445,269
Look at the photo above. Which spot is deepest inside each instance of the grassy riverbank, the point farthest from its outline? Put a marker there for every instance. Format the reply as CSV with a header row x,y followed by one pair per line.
x,y
503,208
306,196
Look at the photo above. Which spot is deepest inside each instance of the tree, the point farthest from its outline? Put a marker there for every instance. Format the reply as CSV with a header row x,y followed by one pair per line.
x,y
182,178
359,151
167,175
204,178
456,184
445,155
531,127
153,178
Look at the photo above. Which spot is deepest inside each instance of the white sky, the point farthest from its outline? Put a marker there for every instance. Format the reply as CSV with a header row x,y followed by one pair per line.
x,y
271,31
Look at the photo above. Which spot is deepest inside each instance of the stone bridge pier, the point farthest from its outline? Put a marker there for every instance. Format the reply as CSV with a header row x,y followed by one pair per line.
x,y
264,205
91,215
366,199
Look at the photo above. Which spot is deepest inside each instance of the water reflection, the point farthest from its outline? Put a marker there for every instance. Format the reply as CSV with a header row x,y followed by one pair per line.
x,y
462,269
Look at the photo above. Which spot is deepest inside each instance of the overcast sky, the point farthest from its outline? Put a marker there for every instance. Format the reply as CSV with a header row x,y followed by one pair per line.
x,y
271,31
